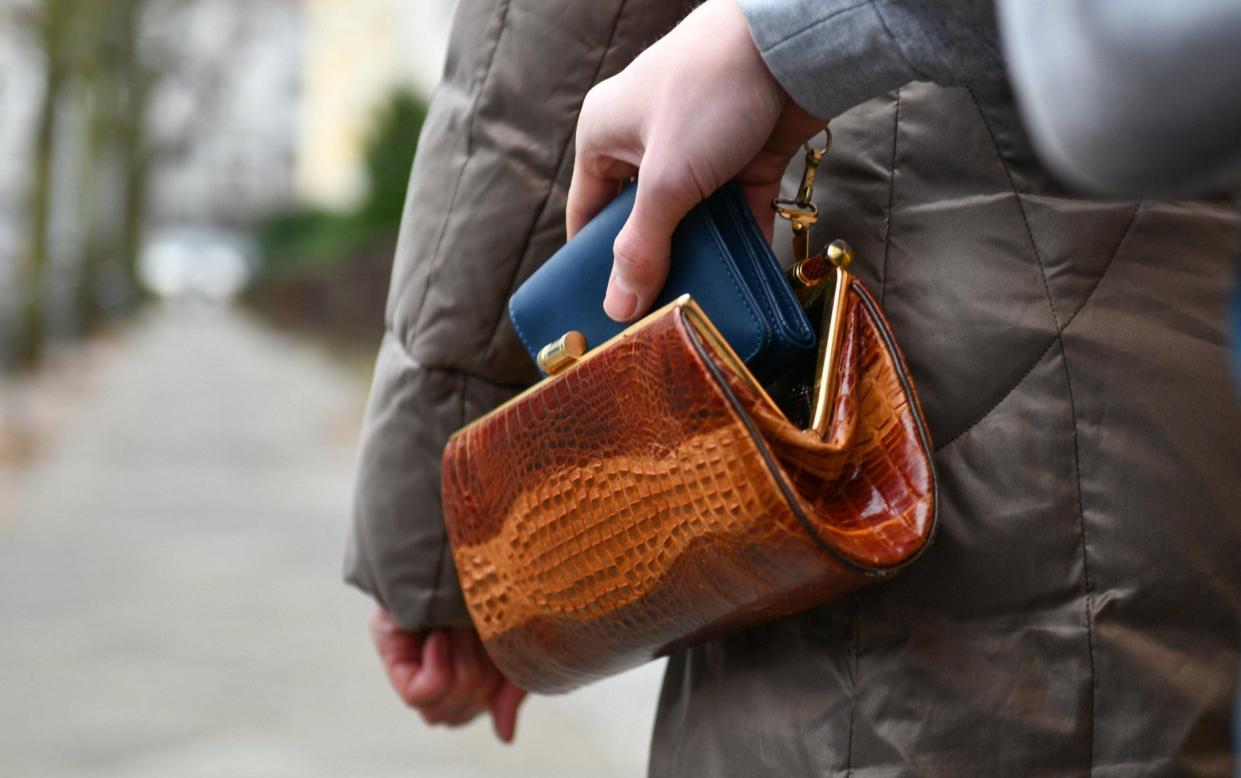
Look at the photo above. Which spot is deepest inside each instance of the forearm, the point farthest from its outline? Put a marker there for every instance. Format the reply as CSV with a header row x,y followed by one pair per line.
x,y
832,55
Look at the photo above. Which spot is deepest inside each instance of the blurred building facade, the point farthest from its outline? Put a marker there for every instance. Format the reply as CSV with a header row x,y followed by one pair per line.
x,y
228,116
255,104
243,109
357,52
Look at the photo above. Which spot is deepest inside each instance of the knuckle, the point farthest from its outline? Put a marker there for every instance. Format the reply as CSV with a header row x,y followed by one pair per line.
x,y
427,693
675,186
435,689
414,703
659,183
591,113
632,260
596,97
590,104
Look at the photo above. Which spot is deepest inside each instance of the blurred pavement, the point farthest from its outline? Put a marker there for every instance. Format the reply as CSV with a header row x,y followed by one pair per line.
x,y
170,596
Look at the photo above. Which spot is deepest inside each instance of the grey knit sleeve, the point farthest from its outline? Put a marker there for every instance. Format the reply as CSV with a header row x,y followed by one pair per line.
x,y
831,55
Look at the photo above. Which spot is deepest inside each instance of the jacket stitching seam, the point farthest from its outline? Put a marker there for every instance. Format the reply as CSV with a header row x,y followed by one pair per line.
x,y
1124,236
1021,208
1064,357
438,261
887,226
1043,354
1081,518
551,186
991,408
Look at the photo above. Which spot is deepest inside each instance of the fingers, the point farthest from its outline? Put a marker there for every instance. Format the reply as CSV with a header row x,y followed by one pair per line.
x,y
761,176
758,197
474,679
588,193
399,651
445,675
504,705
607,151
430,687
641,251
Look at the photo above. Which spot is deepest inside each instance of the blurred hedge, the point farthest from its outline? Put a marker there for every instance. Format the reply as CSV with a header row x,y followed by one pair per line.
x,y
326,272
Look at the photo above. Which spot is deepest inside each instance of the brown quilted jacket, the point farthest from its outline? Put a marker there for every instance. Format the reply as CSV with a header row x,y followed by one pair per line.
x,y
1080,611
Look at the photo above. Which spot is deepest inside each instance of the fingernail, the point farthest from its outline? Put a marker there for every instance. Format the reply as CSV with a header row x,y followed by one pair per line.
x,y
620,302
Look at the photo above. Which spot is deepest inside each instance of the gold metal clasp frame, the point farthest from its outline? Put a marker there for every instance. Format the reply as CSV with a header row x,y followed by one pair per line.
x,y
840,255
808,275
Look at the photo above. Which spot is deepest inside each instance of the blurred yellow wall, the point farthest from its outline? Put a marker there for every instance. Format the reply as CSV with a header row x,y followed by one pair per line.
x,y
355,52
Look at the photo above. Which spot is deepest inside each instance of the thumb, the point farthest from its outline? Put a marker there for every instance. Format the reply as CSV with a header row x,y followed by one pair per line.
x,y
504,707
641,251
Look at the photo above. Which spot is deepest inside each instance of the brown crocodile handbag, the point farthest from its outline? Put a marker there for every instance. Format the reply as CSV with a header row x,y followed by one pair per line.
x,y
651,494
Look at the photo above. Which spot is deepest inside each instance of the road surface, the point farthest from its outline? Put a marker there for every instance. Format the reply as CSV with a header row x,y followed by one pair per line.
x,y
170,595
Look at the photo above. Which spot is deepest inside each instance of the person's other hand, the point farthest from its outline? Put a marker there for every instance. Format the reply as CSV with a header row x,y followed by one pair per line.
x,y
446,675
695,110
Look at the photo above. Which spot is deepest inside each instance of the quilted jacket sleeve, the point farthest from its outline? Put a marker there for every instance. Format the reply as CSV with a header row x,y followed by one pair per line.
x,y
485,207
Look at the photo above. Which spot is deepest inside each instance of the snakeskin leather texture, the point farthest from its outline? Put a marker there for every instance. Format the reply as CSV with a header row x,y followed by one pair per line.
x,y
651,497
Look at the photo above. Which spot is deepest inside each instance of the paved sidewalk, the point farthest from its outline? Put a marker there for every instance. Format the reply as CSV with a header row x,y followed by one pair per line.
x,y
170,598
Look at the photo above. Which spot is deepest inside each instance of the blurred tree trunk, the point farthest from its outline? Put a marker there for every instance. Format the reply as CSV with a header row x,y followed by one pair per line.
x,y
135,86
87,312
116,86
51,25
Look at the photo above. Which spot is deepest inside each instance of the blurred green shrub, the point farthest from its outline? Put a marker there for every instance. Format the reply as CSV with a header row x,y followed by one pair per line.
x,y
308,237
300,239
389,156
326,271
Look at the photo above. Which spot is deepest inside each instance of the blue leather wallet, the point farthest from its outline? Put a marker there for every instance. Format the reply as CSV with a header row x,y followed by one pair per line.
x,y
719,257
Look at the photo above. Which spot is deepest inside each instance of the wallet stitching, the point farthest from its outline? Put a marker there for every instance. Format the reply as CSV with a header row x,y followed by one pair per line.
x,y
521,335
760,252
732,276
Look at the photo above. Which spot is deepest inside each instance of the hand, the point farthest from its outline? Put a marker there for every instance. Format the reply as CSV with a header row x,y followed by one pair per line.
x,y
446,675
696,109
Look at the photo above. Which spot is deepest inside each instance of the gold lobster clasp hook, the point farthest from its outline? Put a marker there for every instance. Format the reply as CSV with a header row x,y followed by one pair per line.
x,y
801,210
